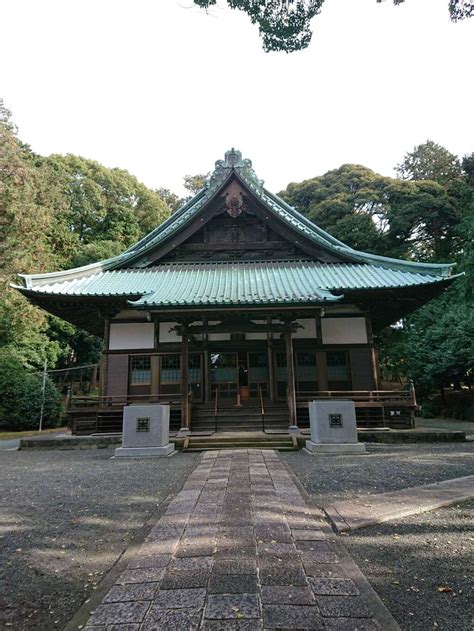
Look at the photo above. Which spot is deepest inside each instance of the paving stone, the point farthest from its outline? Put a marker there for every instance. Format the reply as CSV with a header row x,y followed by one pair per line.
x,y
287,595
235,532
239,522
163,546
308,535
197,531
146,575
235,552
179,598
343,606
196,548
232,606
119,613
134,591
235,566
173,619
324,570
333,586
156,561
276,549
190,563
232,625
282,573
292,617
316,552
351,624
233,584
161,533
174,521
274,534
185,579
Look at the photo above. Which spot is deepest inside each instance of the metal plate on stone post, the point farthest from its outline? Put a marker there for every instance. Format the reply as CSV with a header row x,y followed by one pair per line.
x,y
143,424
335,420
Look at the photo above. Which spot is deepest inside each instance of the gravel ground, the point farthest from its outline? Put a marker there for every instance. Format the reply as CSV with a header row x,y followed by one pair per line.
x,y
385,468
406,560
66,516
410,560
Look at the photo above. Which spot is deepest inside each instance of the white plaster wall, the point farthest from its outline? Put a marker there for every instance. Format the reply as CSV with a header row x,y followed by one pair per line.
x,y
165,335
344,330
126,335
308,329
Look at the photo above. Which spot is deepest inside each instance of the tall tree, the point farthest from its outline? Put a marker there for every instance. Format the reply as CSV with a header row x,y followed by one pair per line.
x,y
379,214
284,25
30,240
106,204
430,161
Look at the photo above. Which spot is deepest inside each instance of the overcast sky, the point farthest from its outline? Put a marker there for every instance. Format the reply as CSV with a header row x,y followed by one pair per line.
x,y
162,89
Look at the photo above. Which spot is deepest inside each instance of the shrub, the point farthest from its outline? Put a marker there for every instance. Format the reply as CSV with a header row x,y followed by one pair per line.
x,y
21,396
430,409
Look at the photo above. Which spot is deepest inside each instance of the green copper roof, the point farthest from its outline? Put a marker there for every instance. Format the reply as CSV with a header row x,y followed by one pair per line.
x,y
233,165
234,283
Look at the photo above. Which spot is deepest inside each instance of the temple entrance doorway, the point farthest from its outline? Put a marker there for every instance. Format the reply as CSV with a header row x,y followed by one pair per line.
x,y
239,377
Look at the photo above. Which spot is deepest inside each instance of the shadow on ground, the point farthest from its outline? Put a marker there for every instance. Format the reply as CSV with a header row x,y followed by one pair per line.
x,y
65,518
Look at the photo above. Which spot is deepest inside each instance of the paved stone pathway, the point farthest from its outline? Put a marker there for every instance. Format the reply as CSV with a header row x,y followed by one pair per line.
x,y
237,549
373,509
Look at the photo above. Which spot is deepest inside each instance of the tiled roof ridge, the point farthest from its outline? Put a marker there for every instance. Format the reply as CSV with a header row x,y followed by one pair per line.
x,y
242,168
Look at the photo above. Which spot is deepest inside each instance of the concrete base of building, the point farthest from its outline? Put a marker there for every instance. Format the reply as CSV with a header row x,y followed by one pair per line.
x,y
145,452
334,448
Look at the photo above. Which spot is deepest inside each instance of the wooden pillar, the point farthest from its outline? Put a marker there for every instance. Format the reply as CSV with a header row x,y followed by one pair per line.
x,y
155,376
290,377
373,354
184,378
105,360
271,366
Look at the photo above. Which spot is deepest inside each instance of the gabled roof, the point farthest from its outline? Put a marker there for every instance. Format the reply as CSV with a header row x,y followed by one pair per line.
x,y
235,283
234,166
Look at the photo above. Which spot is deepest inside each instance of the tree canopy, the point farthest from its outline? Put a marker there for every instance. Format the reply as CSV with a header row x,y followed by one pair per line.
x,y
284,25
429,216
59,212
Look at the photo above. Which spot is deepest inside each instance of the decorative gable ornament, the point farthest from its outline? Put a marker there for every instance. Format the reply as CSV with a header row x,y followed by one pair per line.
x,y
233,161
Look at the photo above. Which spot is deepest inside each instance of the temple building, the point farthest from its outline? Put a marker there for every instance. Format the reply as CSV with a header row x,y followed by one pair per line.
x,y
238,310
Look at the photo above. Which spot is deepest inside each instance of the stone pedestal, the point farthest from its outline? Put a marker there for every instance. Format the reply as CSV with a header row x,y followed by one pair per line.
x,y
333,428
145,431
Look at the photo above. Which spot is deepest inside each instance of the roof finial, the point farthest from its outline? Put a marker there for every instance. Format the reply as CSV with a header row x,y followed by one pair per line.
x,y
233,158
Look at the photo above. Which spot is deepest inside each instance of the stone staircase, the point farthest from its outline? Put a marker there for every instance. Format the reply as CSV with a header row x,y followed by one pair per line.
x,y
241,440
232,419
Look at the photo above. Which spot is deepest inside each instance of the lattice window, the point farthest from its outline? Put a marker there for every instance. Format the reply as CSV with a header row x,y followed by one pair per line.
x,y
140,370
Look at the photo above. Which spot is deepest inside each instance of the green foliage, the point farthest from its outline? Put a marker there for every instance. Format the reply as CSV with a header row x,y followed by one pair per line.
x,y
194,183
439,343
413,218
172,200
380,214
284,25
21,397
56,213
106,204
430,161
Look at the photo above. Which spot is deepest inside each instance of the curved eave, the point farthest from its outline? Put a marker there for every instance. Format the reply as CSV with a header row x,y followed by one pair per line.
x,y
278,207
141,304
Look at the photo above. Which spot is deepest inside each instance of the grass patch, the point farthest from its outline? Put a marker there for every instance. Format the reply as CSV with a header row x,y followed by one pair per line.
x,y
13,435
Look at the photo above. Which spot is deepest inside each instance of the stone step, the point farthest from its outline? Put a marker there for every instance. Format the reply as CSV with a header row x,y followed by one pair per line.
x,y
244,441
258,446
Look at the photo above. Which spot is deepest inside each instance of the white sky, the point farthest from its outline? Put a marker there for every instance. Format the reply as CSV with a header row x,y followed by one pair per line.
x,y
162,89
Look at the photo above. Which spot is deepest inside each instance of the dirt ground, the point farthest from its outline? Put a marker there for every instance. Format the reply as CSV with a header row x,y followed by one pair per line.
x,y
65,518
